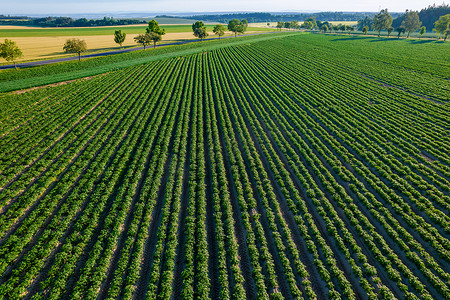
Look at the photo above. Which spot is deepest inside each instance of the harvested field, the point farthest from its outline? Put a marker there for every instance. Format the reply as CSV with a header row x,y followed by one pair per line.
x,y
45,47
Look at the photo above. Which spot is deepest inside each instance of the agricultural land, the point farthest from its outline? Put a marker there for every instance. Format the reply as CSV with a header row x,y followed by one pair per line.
x,y
282,166
45,43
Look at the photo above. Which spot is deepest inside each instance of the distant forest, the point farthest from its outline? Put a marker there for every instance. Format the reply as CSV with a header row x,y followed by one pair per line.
x,y
268,17
220,18
65,21
427,15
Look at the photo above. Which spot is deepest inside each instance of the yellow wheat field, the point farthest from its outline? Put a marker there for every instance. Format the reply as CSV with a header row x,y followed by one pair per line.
x,y
52,46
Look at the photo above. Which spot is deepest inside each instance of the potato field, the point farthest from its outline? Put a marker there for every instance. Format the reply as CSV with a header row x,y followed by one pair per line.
x,y
308,166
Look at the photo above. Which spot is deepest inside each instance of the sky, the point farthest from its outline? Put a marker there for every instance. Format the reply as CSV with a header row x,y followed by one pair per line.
x,y
61,7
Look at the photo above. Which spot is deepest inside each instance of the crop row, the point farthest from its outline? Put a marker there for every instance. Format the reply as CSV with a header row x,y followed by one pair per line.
x,y
294,173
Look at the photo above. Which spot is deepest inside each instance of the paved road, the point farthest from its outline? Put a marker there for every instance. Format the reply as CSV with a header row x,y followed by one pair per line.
x,y
57,60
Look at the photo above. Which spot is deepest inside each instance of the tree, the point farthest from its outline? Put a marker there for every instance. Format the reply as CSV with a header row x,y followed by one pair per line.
x,y
239,26
432,13
389,30
198,24
144,39
200,33
364,22
365,29
280,25
268,24
428,15
411,22
308,25
294,25
10,51
199,30
400,30
382,21
313,22
153,26
324,28
75,46
441,26
242,26
320,24
233,24
423,29
219,30
119,37
350,29
153,36
244,22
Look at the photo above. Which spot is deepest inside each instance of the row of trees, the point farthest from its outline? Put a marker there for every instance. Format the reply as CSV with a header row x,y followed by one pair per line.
x,y
234,26
79,46
260,17
340,27
428,16
381,21
153,34
66,21
313,24
287,25
309,23
410,23
11,52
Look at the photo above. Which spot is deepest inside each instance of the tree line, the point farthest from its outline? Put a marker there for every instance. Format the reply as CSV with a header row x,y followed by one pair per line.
x,y
312,24
410,23
428,16
383,20
259,17
67,21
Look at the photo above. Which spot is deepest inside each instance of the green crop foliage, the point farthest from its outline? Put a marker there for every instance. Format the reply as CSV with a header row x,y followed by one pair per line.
x,y
47,74
299,166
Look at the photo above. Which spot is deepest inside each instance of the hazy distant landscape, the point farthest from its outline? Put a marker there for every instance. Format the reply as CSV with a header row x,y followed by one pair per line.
x,y
293,152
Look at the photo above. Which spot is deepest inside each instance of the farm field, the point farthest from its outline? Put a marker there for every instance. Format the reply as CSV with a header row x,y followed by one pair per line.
x,y
305,166
104,30
44,43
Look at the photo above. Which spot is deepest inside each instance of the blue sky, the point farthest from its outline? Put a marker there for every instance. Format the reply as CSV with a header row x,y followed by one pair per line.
x,y
158,6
